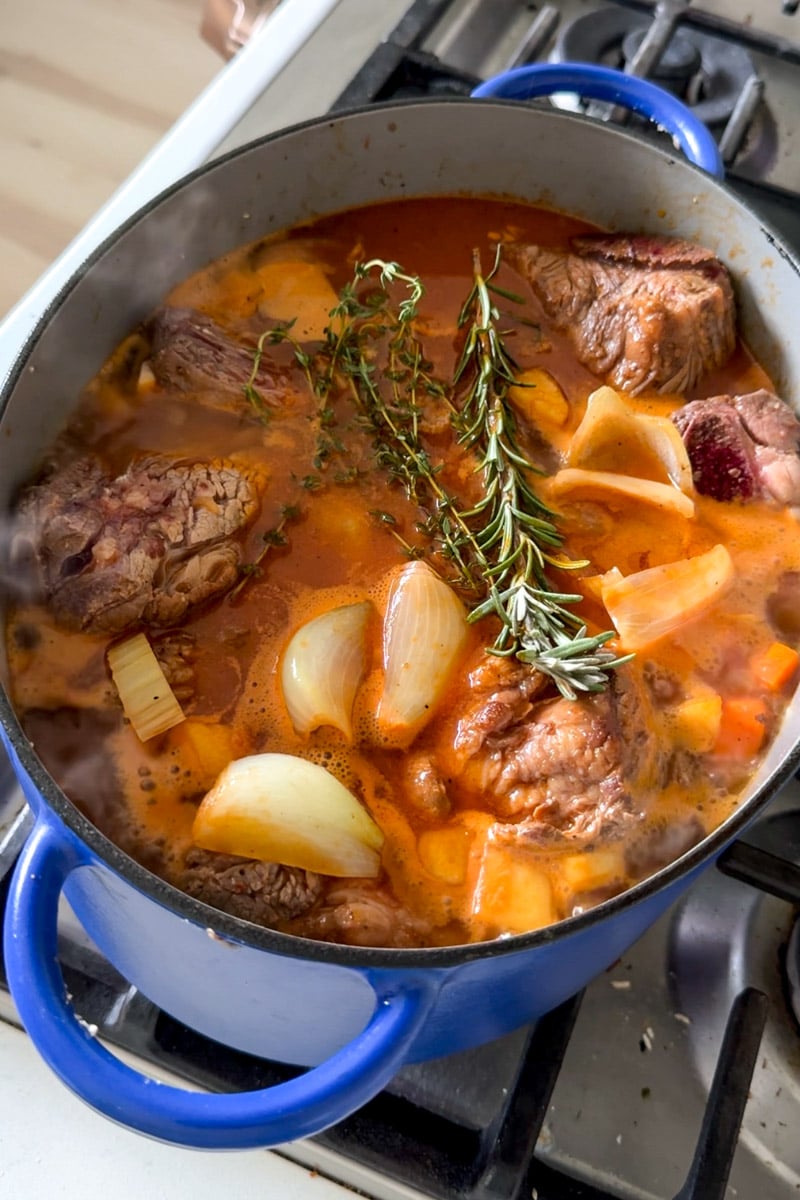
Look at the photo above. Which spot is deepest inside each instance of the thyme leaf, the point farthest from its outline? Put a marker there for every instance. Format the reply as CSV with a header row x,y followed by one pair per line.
x,y
272,539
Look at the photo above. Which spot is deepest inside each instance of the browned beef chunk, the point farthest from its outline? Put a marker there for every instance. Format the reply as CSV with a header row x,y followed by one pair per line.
x,y
192,354
742,447
360,912
176,652
643,312
262,892
143,547
554,768
501,694
564,776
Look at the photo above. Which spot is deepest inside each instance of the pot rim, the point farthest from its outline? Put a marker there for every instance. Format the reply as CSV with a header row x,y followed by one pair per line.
x,y
236,929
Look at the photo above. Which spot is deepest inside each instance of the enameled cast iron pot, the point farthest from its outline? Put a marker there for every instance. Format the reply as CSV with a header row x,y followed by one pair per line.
x,y
354,1015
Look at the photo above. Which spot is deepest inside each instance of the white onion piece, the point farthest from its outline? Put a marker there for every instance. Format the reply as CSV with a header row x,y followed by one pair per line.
x,y
665,440
424,632
323,665
614,437
606,485
282,809
650,604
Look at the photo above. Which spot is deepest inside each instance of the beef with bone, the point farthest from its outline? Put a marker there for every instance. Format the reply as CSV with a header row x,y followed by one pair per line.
x,y
743,447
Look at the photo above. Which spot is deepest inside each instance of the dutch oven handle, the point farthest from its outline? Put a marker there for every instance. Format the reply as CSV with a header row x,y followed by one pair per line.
x,y
615,87
298,1108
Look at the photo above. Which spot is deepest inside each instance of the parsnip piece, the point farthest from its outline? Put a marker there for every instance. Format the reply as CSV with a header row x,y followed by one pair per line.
x,y
606,486
322,667
279,808
613,437
148,700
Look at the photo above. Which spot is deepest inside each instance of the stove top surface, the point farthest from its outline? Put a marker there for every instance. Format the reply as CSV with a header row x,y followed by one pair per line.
x,y
710,63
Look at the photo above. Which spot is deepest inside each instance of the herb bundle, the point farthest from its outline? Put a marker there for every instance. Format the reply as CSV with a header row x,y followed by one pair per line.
x,y
500,548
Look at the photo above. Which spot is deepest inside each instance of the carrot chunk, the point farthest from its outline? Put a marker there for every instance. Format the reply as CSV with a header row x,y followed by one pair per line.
x,y
742,727
775,666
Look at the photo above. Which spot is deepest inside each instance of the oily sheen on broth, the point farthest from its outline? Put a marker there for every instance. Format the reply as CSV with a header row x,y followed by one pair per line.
x,y
226,482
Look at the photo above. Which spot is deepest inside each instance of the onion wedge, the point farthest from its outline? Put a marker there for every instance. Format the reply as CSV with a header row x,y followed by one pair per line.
x,y
149,702
613,437
283,809
605,486
653,603
424,633
322,668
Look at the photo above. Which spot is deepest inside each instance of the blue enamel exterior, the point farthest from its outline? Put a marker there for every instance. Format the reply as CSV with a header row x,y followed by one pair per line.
x,y
615,87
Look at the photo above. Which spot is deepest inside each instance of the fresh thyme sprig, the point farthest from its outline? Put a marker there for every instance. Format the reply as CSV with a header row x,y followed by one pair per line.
x,y
252,394
271,539
517,533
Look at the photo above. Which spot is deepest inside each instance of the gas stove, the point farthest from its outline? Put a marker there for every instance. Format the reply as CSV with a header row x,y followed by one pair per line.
x,y
677,1073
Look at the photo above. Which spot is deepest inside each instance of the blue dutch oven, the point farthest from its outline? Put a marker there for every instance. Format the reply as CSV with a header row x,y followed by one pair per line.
x,y
353,1016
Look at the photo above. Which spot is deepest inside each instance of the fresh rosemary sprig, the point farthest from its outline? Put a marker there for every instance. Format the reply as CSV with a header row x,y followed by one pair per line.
x,y
516,532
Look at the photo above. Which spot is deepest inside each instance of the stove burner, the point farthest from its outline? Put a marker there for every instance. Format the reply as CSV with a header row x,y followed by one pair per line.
x,y
706,72
679,63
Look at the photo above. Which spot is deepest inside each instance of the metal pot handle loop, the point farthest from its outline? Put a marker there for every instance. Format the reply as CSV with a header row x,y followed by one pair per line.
x,y
615,87
297,1108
